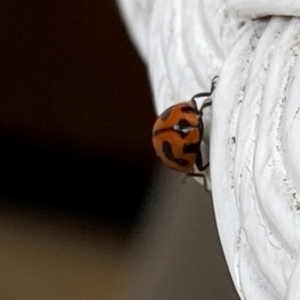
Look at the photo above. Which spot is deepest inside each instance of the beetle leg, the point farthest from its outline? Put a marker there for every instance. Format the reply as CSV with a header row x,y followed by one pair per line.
x,y
207,102
213,86
214,83
200,167
201,128
200,95
202,176
199,162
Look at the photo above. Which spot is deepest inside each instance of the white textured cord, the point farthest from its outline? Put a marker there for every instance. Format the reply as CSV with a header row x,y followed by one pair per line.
x,y
255,168
261,8
254,144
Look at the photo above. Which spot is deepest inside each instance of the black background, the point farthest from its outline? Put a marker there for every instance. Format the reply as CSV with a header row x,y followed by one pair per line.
x,y
75,113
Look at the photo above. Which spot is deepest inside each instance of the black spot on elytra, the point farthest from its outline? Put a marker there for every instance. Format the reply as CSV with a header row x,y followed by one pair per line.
x,y
165,115
162,130
167,150
183,134
190,148
187,109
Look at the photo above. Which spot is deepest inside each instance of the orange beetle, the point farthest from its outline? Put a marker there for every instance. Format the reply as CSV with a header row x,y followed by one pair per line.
x,y
177,134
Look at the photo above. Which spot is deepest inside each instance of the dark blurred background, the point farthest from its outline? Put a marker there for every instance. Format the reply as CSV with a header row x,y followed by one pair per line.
x,y
75,148
75,113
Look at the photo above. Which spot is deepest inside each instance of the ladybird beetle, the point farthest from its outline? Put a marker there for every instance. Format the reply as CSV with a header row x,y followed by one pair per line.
x,y
177,135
